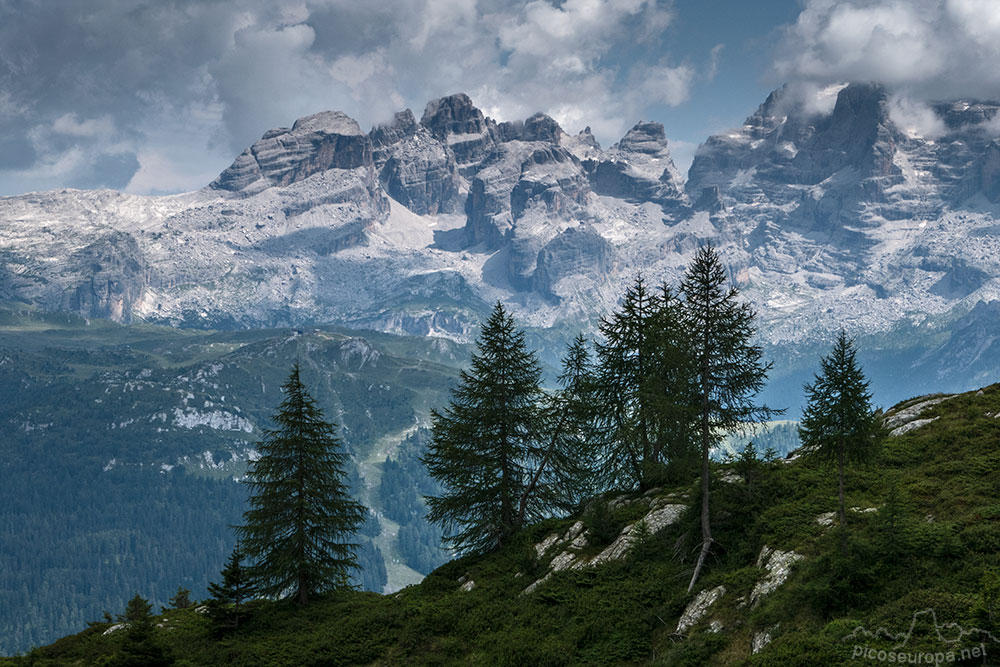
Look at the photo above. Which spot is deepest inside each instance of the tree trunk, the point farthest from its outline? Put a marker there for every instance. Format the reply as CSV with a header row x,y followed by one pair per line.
x,y
843,511
706,526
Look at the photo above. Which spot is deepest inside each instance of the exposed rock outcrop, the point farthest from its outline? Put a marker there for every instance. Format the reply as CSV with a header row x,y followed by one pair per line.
x,y
568,545
777,565
456,122
638,167
415,168
328,140
115,277
698,607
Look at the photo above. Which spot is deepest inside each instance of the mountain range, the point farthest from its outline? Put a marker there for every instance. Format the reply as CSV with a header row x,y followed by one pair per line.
x,y
842,217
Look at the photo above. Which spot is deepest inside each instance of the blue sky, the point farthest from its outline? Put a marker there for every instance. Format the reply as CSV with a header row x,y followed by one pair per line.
x,y
160,96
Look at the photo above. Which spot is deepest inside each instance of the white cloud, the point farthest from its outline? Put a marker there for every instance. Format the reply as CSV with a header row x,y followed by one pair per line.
x,y
713,61
177,89
924,49
915,118
70,125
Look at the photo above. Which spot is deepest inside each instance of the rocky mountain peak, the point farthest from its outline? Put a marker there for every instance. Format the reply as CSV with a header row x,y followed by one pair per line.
x,y
328,122
645,137
403,124
327,140
455,114
540,127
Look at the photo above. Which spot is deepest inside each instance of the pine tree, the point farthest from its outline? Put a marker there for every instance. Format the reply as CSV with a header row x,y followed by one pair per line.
x,y
670,391
301,515
228,598
838,421
180,600
562,477
728,367
485,441
644,385
138,614
139,647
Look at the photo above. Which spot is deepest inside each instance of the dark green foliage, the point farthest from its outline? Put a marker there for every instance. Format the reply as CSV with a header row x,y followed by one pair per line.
x,y
300,515
139,647
485,442
987,611
180,600
562,477
625,612
748,466
138,614
89,431
728,367
602,527
895,523
838,422
226,606
644,390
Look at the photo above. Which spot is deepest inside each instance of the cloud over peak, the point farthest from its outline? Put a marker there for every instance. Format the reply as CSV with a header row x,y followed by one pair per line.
x,y
218,74
926,49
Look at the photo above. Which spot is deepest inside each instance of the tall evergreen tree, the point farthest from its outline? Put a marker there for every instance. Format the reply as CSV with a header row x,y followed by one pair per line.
x,y
301,515
644,383
486,440
728,367
228,598
562,476
670,389
838,421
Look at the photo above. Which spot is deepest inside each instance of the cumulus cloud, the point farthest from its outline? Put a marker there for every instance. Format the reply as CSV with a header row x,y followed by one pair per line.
x,y
160,96
923,49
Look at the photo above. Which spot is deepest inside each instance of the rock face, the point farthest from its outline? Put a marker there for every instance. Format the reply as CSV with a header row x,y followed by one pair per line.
x,y
117,277
777,566
457,123
698,607
328,140
638,168
416,169
661,513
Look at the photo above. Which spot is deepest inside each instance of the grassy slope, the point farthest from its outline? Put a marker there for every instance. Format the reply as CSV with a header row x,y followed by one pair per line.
x,y
947,543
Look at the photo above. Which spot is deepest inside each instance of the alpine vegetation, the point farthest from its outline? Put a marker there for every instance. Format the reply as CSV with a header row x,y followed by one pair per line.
x,y
503,455
838,421
301,517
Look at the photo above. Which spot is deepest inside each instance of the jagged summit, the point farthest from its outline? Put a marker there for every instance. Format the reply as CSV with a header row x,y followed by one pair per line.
x,y
327,140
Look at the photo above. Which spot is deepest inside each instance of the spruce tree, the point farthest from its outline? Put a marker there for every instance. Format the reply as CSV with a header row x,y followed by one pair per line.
x,y
139,647
301,515
228,598
643,387
562,476
838,422
669,389
486,440
180,600
728,368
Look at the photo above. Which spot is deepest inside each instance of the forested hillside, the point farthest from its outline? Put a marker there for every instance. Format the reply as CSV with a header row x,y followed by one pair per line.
x,y
120,448
920,577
